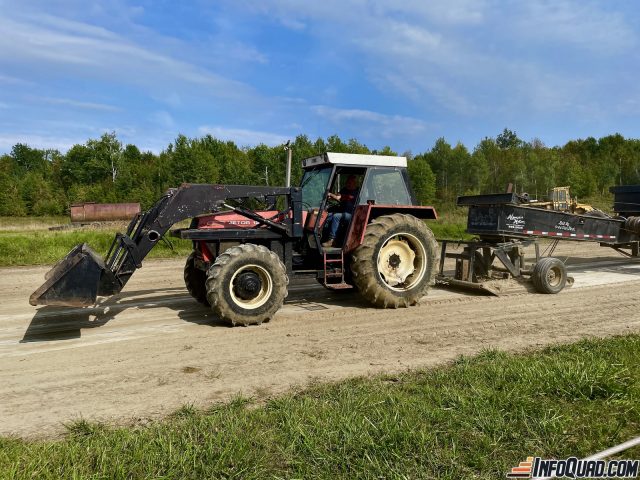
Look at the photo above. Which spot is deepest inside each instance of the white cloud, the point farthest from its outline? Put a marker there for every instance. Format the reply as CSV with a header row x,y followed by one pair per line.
x,y
441,12
164,119
568,23
468,57
76,103
7,141
244,137
7,79
376,123
74,47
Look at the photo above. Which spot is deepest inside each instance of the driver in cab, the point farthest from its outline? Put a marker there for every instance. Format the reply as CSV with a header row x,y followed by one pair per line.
x,y
342,214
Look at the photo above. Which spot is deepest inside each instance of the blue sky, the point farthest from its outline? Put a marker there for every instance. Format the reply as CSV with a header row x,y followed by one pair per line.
x,y
398,73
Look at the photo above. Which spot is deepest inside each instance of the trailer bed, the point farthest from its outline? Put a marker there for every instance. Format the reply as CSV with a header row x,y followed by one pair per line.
x,y
502,216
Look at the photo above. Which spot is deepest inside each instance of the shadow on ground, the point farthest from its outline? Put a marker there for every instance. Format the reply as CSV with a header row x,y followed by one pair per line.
x,y
54,323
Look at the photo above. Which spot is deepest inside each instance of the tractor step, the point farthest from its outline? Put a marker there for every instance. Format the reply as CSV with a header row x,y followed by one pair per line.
x,y
338,286
335,258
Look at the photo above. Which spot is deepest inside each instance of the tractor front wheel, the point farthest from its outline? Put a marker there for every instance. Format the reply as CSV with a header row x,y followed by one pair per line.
x,y
195,279
246,285
395,264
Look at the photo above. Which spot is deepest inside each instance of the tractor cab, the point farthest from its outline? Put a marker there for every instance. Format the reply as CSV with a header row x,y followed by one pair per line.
x,y
375,180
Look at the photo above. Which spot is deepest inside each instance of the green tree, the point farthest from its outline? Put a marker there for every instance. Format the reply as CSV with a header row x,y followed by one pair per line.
x,y
423,181
29,159
11,202
439,159
508,139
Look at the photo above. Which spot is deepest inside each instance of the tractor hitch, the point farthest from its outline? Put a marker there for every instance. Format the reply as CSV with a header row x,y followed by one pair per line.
x,y
77,280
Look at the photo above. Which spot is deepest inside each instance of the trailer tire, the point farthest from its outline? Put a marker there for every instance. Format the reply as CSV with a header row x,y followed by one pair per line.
x,y
246,285
195,279
549,275
396,262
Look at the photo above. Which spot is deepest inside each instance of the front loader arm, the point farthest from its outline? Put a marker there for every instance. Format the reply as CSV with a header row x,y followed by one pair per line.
x,y
82,275
188,201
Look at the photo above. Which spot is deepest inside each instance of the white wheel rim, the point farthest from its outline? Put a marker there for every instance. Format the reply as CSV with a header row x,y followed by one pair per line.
x,y
402,262
266,287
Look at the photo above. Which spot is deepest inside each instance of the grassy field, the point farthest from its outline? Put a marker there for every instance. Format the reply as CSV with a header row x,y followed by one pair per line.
x,y
451,224
29,242
44,247
475,418
12,224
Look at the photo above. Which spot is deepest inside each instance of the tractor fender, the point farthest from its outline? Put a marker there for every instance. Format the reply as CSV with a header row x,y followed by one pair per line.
x,y
364,214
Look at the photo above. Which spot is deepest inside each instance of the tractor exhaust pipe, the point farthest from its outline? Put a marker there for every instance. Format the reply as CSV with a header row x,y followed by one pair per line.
x,y
289,150
77,280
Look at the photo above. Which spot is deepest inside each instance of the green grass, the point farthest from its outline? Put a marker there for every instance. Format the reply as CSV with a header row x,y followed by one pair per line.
x,y
451,223
45,247
32,246
443,229
475,418
12,224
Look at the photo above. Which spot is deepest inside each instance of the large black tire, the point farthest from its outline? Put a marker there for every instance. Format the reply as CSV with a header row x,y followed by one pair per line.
x,y
384,270
549,275
195,279
246,285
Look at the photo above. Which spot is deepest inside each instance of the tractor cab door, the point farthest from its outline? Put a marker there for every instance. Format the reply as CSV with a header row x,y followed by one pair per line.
x,y
316,186
347,182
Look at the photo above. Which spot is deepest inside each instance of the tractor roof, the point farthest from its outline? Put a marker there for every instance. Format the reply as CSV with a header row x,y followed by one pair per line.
x,y
354,159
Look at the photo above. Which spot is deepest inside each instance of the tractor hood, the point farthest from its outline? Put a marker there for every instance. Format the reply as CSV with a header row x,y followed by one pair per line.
x,y
236,220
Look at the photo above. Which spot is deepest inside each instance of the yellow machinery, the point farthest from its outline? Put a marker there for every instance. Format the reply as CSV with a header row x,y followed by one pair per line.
x,y
561,201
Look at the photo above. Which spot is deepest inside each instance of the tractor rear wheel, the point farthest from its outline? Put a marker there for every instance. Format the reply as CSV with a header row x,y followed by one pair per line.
x,y
395,264
549,275
246,285
195,279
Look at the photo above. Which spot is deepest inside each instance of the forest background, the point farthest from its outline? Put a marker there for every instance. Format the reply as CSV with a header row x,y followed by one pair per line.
x,y
36,182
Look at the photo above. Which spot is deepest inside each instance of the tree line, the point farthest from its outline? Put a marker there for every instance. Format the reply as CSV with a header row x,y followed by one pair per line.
x,y
45,182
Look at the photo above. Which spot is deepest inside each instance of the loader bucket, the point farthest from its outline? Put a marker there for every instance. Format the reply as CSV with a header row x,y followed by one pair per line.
x,y
74,281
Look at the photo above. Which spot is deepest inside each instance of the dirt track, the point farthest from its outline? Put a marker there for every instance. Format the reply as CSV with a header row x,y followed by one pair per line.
x,y
151,349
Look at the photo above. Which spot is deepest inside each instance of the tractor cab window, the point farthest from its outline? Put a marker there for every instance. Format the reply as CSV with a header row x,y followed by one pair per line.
x,y
385,186
342,178
346,185
314,185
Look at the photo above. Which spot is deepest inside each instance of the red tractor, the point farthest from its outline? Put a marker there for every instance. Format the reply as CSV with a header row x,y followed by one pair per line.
x,y
352,223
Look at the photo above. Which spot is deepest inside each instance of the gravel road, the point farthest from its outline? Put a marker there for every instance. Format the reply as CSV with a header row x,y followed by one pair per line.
x,y
146,352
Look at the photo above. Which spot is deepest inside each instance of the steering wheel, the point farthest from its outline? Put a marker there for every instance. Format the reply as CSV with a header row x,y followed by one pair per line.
x,y
333,200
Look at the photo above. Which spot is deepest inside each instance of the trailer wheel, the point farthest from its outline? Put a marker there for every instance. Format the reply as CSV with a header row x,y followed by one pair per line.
x,y
549,275
396,262
246,285
195,279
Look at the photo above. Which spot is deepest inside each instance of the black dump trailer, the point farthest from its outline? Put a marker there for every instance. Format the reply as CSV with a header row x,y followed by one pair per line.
x,y
505,225
626,200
